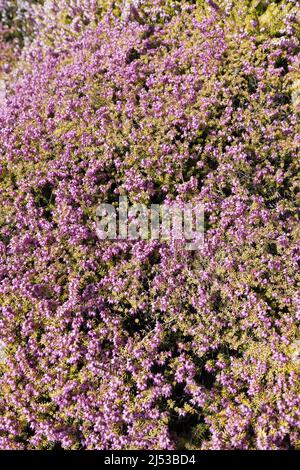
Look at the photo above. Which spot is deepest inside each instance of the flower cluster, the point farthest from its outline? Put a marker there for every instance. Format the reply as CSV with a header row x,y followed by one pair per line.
x,y
17,20
141,344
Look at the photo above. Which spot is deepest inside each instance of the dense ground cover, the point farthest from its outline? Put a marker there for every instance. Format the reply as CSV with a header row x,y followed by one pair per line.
x,y
129,345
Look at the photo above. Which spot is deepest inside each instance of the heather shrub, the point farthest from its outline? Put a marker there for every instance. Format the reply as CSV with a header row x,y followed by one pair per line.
x,y
17,22
142,344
